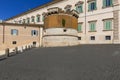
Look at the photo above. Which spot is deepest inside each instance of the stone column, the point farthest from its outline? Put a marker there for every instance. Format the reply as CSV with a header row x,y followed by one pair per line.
x,y
41,36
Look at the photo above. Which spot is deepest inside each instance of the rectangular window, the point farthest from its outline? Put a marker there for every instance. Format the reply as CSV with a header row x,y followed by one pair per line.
x,y
34,33
79,27
32,19
14,42
42,18
107,37
92,26
107,24
14,32
28,20
23,20
107,3
38,18
79,38
79,8
92,5
92,37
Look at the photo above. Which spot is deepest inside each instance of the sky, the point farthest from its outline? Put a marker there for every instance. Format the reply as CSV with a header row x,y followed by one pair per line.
x,y
9,8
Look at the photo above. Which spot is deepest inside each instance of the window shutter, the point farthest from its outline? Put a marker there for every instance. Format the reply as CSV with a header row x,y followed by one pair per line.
x,y
89,7
79,27
111,2
104,3
93,26
81,8
95,5
110,25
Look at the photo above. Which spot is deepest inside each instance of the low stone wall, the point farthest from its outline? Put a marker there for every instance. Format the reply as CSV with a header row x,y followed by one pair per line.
x,y
60,37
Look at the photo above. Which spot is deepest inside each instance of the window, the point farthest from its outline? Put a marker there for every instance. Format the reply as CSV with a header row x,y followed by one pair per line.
x,y
32,19
68,8
64,30
92,37
92,5
107,37
14,32
28,20
107,3
92,26
79,38
107,24
34,32
23,20
20,21
79,27
79,8
42,18
14,42
38,18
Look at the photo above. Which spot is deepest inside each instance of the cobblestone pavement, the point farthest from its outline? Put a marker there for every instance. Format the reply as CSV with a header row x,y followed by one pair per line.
x,y
85,62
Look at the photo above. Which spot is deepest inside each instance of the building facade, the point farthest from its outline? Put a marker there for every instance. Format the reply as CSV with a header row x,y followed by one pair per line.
x,y
20,36
98,22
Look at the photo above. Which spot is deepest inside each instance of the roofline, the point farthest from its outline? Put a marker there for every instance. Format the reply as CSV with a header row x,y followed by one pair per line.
x,y
33,25
36,8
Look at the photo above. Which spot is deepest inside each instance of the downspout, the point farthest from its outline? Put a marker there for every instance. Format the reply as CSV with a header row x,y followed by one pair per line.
x,y
85,17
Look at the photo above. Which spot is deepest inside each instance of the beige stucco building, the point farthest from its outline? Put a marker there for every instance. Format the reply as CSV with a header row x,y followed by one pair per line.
x,y
20,36
98,19
98,22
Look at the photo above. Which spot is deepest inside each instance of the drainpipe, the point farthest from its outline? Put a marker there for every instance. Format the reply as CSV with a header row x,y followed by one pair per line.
x,y
85,17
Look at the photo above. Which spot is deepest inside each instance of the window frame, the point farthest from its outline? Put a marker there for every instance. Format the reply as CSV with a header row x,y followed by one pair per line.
x,y
92,38
105,5
90,6
14,32
79,10
38,18
34,32
106,37
79,30
91,27
105,25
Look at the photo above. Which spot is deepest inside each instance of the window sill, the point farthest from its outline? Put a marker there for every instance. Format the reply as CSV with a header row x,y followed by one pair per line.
x,y
80,31
92,31
92,10
108,30
107,7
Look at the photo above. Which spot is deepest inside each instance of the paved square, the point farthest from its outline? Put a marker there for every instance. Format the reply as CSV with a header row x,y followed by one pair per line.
x,y
85,62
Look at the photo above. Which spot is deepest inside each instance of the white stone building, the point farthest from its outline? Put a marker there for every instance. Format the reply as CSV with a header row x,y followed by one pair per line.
x,y
98,23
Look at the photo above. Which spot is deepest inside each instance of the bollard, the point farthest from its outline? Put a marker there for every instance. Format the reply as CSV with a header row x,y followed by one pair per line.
x,y
16,50
7,52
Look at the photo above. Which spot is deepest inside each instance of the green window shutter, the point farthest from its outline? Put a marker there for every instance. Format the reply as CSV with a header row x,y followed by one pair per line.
x,y
79,27
81,8
111,2
76,8
42,18
95,5
108,25
92,26
89,7
104,3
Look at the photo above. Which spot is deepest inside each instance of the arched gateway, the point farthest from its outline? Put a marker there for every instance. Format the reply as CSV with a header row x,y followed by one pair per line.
x,y
60,28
